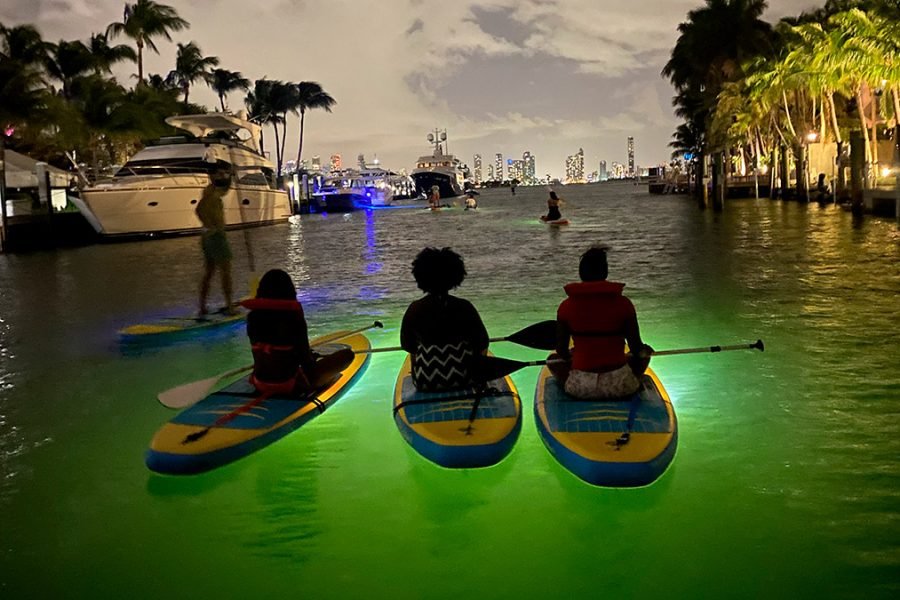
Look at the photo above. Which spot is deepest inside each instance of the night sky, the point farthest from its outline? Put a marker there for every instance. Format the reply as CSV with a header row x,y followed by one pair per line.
x,y
548,76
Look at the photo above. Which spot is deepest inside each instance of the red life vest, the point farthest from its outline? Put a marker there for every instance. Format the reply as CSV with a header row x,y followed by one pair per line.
x,y
596,313
278,362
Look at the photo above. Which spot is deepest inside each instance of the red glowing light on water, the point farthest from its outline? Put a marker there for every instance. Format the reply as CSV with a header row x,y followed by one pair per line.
x,y
9,130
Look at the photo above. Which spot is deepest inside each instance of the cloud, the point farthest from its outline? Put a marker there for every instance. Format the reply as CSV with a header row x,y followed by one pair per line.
x,y
508,74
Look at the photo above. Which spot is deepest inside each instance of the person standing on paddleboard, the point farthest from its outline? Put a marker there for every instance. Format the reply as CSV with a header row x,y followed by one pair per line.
x,y
213,241
434,199
599,320
442,333
553,213
283,362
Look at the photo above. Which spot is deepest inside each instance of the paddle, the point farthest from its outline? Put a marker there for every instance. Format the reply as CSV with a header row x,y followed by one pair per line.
x,y
541,336
494,367
188,394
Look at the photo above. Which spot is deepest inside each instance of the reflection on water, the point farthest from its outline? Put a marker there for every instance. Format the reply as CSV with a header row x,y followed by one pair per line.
x,y
787,460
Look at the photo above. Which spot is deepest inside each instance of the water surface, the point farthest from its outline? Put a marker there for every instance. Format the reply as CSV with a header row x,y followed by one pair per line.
x,y
786,482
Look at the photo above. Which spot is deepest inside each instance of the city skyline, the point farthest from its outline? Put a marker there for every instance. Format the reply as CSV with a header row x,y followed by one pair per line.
x,y
574,74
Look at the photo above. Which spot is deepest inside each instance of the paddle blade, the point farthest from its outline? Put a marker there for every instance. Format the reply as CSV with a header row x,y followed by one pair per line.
x,y
187,394
541,336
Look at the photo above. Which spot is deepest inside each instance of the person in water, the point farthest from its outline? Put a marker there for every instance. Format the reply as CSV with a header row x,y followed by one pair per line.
x,y
471,202
434,199
598,320
823,193
283,362
213,241
553,213
441,332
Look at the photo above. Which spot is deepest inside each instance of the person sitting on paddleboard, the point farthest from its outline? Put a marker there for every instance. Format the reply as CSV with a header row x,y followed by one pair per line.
x,y
553,213
599,320
442,333
283,362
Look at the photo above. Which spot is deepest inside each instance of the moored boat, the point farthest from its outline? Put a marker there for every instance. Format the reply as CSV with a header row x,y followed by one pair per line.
x,y
157,190
439,169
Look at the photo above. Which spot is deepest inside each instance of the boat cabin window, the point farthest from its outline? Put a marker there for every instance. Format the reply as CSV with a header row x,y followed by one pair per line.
x,y
166,166
252,176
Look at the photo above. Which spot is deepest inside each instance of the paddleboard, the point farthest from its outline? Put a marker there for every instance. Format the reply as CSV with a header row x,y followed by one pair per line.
x,y
177,326
177,449
556,222
437,424
588,437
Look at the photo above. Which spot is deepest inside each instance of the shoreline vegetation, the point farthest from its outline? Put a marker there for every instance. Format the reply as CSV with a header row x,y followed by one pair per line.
x,y
60,102
755,97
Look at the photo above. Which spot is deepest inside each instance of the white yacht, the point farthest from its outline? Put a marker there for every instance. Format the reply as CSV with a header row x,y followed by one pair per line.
x,y
371,187
157,191
438,169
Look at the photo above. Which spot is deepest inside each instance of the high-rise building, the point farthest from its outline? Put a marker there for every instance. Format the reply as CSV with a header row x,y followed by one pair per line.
x,y
476,169
361,161
316,163
631,172
602,175
498,166
336,164
528,174
490,172
515,169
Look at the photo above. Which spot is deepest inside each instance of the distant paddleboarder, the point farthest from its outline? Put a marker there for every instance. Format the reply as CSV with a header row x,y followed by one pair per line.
x,y
553,213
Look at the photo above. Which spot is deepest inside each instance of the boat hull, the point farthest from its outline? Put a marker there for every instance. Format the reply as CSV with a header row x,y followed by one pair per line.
x,y
167,207
448,185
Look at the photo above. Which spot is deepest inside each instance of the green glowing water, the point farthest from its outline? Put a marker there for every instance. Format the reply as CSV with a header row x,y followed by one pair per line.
x,y
786,482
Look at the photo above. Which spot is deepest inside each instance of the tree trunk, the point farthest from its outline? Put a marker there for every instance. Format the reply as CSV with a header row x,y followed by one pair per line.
x,y
222,101
284,137
862,123
277,151
140,61
700,185
800,168
300,144
874,139
834,121
783,171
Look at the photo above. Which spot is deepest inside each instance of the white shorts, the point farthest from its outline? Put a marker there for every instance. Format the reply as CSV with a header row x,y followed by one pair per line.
x,y
595,386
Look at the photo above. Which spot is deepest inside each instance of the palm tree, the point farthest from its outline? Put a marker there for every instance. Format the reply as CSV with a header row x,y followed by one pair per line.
x,y
310,95
191,65
258,105
712,44
23,44
143,21
23,53
105,56
67,61
283,99
223,81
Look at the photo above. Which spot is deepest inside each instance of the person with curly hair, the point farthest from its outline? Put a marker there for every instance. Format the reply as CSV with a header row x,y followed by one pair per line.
x,y
441,332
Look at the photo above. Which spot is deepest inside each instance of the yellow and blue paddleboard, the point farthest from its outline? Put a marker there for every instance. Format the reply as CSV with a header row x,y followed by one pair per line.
x,y
170,327
193,442
449,430
626,442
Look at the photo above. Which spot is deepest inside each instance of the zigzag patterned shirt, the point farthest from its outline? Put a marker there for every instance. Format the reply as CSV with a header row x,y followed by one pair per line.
x,y
442,333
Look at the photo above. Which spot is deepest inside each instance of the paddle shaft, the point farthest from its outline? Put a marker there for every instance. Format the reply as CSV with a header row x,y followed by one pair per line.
x,y
541,335
494,367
